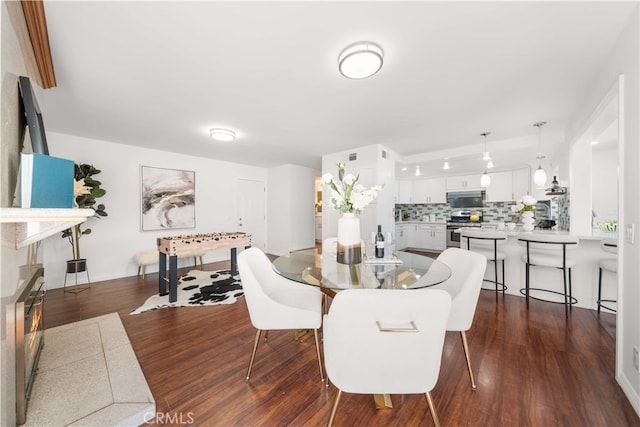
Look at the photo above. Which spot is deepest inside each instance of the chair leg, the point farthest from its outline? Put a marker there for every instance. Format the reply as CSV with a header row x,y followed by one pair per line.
x,y
503,281
465,345
253,353
570,292
526,282
335,407
315,334
566,303
432,408
599,288
495,269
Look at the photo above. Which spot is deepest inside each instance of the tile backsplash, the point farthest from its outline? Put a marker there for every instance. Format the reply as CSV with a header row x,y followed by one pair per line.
x,y
557,209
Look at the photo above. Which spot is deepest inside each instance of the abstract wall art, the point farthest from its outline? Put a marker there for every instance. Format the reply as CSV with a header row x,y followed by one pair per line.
x,y
168,198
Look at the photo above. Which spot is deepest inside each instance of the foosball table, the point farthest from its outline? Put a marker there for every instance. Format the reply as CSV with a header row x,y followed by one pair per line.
x,y
178,246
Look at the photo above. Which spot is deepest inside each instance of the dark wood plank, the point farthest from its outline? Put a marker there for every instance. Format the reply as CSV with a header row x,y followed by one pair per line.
x,y
533,367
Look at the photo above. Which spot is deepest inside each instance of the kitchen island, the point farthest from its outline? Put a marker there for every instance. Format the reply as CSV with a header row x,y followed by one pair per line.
x,y
584,274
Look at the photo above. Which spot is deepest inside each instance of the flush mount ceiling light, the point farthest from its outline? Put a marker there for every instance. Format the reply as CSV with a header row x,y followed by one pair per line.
x,y
540,176
360,60
222,134
485,154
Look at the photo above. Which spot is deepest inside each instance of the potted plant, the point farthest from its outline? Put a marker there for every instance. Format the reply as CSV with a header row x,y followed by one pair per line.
x,y
86,190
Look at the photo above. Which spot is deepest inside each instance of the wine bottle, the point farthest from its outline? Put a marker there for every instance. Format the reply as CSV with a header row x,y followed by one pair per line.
x,y
379,243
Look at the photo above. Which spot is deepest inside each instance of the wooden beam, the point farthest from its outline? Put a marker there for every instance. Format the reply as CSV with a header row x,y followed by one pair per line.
x,y
37,25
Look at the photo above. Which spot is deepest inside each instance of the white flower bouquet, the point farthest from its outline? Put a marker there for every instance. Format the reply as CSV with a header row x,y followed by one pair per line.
x,y
526,204
347,195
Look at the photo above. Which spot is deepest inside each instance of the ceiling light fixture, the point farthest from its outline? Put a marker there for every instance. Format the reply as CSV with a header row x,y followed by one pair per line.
x,y
360,60
485,154
417,170
485,180
489,164
540,176
446,165
222,134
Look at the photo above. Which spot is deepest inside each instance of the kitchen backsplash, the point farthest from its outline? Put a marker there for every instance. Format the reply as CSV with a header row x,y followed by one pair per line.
x,y
560,210
492,211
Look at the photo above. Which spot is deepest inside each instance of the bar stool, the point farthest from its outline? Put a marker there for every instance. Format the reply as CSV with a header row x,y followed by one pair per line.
x,y
488,243
549,250
609,264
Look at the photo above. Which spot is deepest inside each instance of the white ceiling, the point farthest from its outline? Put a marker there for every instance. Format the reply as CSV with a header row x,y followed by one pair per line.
x,y
160,74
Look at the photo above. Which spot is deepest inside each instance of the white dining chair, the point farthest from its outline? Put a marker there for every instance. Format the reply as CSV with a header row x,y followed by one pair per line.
x,y
550,251
277,303
382,341
489,243
608,263
467,274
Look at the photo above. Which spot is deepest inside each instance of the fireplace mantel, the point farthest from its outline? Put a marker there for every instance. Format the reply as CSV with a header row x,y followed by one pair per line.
x,y
22,227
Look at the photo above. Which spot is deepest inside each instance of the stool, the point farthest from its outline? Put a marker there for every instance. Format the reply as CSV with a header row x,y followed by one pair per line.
x,y
609,264
487,242
549,250
145,258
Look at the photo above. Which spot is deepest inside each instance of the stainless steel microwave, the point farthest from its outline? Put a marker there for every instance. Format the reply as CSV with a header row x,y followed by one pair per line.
x,y
466,199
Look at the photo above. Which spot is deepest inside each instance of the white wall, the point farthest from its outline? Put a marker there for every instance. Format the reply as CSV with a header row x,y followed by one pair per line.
x,y
373,170
605,184
290,209
624,60
114,240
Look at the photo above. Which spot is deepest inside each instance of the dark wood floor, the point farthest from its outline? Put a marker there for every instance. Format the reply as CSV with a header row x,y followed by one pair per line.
x,y
533,367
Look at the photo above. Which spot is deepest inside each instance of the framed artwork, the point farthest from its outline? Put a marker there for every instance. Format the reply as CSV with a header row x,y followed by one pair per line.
x,y
168,198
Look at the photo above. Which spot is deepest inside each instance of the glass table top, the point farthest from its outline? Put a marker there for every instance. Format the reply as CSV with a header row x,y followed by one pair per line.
x,y
404,271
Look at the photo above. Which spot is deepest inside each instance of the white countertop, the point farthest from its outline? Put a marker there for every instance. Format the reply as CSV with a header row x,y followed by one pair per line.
x,y
596,233
417,221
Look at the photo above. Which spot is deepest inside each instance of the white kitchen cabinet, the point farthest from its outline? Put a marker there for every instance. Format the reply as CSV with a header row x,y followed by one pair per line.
x,y
413,235
419,191
404,192
501,188
521,183
433,237
433,190
401,238
422,191
464,182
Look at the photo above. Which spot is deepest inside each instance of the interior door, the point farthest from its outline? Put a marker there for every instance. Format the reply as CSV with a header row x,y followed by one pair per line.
x,y
251,211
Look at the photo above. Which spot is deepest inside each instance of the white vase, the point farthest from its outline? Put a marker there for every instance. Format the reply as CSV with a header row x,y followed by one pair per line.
x,y
349,240
528,221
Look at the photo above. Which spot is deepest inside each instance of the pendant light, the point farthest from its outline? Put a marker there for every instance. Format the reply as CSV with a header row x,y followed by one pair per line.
x,y
485,153
485,180
540,176
446,166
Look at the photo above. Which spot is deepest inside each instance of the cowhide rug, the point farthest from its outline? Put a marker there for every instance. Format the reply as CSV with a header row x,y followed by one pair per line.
x,y
199,288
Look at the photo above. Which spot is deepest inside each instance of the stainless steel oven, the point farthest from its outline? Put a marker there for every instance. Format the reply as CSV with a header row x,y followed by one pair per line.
x,y
453,238
459,219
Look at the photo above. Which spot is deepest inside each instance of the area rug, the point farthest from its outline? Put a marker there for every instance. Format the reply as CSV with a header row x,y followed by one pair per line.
x,y
197,289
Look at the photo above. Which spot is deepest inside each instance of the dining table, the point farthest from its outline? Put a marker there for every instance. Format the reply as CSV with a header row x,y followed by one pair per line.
x,y
401,271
